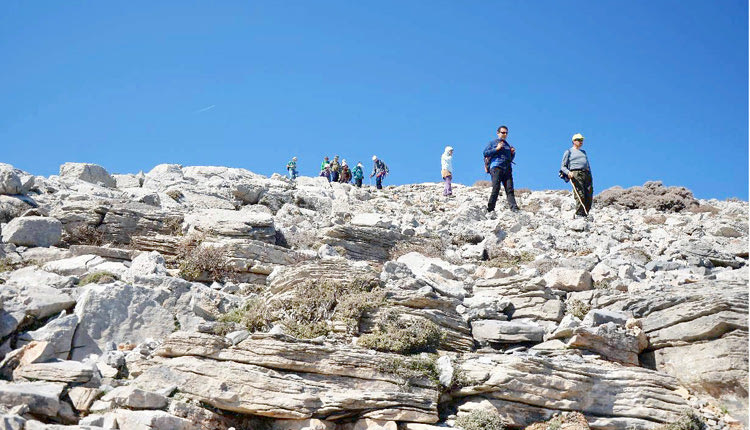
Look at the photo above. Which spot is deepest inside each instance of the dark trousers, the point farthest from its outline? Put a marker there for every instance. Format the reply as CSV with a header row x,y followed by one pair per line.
x,y
379,182
358,182
334,176
584,186
504,177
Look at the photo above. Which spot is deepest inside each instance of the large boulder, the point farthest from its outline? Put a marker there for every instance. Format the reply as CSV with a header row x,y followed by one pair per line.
x,y
569,279
87,172
10,182
33,231
236,224
42,398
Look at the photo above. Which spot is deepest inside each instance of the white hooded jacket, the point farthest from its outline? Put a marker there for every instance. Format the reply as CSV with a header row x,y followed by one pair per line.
x,y
446,161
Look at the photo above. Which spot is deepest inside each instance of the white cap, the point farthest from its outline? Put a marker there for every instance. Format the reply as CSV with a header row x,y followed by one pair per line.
x,y
374,157
448,148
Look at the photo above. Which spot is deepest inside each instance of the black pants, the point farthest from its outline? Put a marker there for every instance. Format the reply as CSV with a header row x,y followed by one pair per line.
x,y
334,176
504,177
584,186
358,182
379,182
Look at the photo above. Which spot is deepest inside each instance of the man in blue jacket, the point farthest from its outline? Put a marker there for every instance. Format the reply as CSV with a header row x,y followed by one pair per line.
x,y
501,155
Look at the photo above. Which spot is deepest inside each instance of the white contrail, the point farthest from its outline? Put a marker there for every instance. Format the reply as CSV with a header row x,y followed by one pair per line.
x,y
205,109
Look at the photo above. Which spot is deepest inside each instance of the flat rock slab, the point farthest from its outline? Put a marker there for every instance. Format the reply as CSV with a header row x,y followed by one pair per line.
x,y
33,231
134,398
569,279
37,301
42,398
283,378
223,222
525,389
56,371
506,331
119,313
137,420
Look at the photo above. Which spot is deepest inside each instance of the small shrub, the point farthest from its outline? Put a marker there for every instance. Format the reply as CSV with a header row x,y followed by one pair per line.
x,y
6,265
392,334
703,209
688,420
98,278
84,234
522,191
481,419
173,226
176,195
577,308
505,259
254,315
429,248
482,184
198,262
410,369
651,195
655,219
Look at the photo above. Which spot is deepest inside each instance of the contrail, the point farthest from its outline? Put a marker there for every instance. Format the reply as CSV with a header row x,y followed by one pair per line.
x,y
205,109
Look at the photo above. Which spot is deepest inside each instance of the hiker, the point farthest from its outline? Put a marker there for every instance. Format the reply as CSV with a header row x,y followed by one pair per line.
x,y
379,171
575,164
501,155
335,169
346,173
446,170
358,174
325,169
291,167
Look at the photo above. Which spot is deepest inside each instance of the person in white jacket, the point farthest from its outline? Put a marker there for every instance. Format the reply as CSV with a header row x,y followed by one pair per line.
x,y
446,166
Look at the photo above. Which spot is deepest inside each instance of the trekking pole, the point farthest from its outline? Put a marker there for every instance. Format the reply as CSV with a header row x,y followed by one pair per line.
x,y
578,197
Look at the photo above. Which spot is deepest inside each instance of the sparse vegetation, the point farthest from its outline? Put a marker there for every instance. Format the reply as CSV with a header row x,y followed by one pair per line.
x,y
504,259
701,208
651,195
403,336
411,369
84,234
173,226
310,309
203,262
482,184
430,248
688,420
577,308
481,419
98,278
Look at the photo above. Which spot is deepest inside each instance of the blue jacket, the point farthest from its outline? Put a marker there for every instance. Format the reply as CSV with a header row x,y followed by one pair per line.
x,y
501,158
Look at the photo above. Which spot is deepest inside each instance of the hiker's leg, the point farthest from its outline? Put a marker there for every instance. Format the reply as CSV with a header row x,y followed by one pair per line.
x,y
495,172
450,188
577,182
379,182
510,194
589,191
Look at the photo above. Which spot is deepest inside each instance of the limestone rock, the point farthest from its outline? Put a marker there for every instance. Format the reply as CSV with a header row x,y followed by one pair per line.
x,y
506,331
58,332
56,371
33,231
10,182
239,224
134,398
568,279
137,420
87,172
42,398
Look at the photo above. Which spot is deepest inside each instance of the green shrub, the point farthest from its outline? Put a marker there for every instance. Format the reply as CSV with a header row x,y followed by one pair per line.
x,y
254,315
392,334
688,420
411,369
505,259
98,278
200,262
480,419
577,308
310,308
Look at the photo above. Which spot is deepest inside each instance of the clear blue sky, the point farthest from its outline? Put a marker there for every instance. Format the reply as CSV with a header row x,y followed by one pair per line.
x,y
659,88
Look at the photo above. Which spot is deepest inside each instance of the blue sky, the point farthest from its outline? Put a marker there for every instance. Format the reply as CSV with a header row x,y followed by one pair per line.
x,y
659,88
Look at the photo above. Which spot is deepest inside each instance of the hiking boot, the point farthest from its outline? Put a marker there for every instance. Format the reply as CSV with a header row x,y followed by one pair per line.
x,y
515,209
491,215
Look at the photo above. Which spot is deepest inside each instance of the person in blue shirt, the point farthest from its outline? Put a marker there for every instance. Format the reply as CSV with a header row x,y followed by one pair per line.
x,y
291,167
501,155
358,174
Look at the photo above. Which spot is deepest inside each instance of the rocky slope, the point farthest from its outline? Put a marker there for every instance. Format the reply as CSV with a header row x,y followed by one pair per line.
x,y
212,298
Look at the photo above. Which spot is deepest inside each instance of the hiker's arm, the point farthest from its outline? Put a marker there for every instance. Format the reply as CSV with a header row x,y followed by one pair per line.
x,y
512,153
564,164
490,150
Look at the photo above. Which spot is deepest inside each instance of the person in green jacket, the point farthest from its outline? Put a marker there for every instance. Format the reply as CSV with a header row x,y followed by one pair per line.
x,y
358,174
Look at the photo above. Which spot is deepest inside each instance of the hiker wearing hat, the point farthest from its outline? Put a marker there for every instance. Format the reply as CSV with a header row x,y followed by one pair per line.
x,y
379,171
575,164
446,170
346,173
358,174
501,155
325,169
291,167
335,169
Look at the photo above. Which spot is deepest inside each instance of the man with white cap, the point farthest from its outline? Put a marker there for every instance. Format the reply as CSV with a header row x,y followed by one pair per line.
x,y
379,170
575,164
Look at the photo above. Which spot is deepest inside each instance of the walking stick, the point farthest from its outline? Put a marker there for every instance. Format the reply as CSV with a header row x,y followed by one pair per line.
x,y
578,197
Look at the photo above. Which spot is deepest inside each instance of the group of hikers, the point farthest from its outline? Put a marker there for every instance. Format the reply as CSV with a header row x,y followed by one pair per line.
x,y
498,163
336,171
